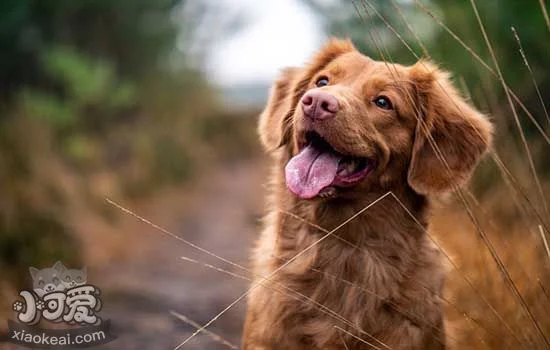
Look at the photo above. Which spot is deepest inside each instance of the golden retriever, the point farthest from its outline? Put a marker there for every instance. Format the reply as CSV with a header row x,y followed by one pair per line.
x,y
343,131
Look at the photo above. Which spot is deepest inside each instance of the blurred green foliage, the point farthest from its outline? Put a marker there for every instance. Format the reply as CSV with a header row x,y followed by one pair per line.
x,y
88,88
109,86
86,85
132,34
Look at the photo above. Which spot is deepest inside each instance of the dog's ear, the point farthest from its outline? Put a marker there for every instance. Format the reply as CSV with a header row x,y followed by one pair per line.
x,y
273,126
276,120
449,130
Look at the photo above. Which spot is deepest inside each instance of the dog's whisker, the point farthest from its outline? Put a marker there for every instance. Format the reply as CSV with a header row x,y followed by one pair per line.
x,y
274,272
211,334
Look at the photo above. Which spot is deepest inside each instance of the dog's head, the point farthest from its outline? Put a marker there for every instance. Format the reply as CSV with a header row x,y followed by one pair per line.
x,y
349,123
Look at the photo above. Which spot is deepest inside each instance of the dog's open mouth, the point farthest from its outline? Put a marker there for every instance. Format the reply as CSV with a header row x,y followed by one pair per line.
x,y
319,165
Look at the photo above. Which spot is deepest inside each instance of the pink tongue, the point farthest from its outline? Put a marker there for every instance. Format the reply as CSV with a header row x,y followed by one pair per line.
x,y
310,171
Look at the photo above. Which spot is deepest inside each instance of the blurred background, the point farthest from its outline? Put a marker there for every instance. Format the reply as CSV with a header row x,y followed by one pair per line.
x,y
153,104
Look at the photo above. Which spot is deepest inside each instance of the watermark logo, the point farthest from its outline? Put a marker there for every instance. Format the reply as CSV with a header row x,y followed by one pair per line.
x,y
59,295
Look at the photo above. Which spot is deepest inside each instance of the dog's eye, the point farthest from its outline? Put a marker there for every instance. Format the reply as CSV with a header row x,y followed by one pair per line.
x,y
383,102
322,81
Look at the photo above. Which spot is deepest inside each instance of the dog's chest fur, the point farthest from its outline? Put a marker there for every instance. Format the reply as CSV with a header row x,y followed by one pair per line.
x,y
371,275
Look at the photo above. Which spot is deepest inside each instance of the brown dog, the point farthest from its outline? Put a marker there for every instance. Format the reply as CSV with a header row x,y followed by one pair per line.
x,y
343,132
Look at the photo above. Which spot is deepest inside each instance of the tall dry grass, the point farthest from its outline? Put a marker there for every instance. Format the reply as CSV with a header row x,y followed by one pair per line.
x,y
497,291
496,295
482,312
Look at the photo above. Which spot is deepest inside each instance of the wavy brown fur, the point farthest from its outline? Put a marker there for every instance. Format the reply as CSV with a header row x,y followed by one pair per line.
x,y
379,277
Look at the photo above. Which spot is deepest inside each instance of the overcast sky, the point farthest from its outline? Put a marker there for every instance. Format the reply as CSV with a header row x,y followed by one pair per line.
x,y
276,34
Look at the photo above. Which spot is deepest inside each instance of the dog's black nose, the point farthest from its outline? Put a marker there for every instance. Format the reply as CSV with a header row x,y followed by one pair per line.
x,y
319,105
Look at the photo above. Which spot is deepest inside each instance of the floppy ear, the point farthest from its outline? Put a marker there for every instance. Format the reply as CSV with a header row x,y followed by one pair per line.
x,y
276,119
461,133
274,123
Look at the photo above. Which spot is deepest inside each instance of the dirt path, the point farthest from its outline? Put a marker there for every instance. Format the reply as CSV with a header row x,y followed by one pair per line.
x,y
147,279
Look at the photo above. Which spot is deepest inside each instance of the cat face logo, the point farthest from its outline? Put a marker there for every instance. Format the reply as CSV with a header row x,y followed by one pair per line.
x,y
56,278
59,295
73,277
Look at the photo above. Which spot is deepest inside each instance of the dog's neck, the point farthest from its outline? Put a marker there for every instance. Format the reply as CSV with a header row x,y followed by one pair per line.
x,y
391,223
376,241
400,211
